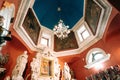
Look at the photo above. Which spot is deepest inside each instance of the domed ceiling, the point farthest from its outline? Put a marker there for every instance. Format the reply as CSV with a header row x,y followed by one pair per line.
x,y
49,12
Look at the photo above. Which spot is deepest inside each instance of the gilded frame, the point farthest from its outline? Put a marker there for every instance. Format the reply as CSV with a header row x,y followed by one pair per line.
x,y
46,67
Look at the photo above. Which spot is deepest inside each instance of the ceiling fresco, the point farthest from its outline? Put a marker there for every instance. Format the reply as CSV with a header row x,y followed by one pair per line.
x,y
65,44
50,12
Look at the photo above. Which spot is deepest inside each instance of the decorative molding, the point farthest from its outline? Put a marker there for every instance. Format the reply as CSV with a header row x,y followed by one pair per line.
x,y
26,4
37,67
22,11
93,64
106,11
98,61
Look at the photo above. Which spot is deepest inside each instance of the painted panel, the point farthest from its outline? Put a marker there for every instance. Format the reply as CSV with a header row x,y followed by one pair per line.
x,y
31,26
92,15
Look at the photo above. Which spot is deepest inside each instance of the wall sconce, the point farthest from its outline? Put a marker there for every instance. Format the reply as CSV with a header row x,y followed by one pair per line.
x,y
4,37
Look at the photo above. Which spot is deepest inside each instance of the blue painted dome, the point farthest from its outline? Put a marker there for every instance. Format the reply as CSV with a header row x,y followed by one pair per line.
x,y
49,12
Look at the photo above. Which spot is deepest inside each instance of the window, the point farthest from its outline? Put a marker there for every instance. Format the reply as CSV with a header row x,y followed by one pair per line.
x,y
44,41
96,56
83,33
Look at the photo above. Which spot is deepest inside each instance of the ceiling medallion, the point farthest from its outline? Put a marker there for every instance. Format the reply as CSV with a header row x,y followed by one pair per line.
x,y
60,30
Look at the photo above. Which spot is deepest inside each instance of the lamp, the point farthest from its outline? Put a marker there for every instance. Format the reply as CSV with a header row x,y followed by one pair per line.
x,y
5,37
60,30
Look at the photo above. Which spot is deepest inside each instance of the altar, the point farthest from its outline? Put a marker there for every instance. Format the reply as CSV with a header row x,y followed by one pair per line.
x,y
45,66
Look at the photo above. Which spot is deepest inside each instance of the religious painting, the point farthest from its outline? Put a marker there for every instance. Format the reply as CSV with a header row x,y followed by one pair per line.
x,y
65,44
31,26
92,14
46,68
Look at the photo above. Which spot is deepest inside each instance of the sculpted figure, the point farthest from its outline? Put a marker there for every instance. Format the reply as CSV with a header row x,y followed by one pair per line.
x,y
57,69
35,67
20,67
66,72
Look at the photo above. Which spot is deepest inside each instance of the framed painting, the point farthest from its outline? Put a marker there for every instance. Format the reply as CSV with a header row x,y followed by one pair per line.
x,y
31,26
92,14
46,67
68,43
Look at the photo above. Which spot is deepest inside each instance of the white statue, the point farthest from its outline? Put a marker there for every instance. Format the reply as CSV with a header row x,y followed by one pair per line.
x,y
66,72
34,67
56,69
20,67
8,12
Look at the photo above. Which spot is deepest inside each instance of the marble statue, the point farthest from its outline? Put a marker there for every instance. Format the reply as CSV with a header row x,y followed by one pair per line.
x,y
8,11
57,70
35,67
20,66
66,72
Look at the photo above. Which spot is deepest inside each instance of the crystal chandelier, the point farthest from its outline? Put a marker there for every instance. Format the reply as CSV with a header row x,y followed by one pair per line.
x,y
60,30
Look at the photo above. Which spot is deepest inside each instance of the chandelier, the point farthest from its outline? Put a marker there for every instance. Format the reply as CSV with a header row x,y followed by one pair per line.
x,y
60,30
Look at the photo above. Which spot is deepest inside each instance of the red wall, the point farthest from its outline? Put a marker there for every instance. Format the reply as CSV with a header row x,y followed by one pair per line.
x,y
111,45
14,48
